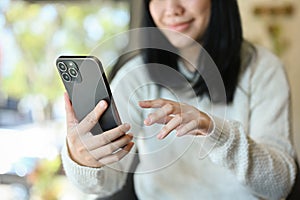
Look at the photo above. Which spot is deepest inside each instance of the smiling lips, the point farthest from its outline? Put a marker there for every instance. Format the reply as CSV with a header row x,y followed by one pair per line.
x,y
181,26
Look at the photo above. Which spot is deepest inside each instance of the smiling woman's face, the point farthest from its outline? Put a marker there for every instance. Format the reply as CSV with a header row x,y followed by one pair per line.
x,y
189,17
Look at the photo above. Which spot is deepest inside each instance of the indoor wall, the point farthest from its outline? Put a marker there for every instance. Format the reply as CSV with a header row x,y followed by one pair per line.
x,y
275,24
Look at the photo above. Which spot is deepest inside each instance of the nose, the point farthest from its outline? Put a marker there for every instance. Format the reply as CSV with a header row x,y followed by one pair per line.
x,y
174,8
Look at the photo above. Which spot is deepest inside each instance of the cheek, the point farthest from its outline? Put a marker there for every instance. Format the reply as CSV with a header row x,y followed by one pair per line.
x,y
203,19
201,9
199,6
154,12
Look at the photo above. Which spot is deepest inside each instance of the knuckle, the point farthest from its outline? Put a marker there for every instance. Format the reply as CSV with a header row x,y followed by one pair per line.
x,y
160,101
179,118
121,129
152,116
110,149
81,149
120,132
115,158
91,118
72,138
105,137
165,129
183,129
90,159
169,107
104,140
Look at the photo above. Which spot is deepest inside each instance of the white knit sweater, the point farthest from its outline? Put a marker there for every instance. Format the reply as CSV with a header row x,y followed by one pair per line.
x,y
248,155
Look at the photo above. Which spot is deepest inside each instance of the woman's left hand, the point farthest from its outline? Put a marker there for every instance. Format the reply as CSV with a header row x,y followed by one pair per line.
x,y
185,119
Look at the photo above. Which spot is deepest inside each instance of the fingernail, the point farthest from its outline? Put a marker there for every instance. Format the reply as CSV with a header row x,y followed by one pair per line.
x,y
127,126
178,134
102,104
141,103
159,136
147,121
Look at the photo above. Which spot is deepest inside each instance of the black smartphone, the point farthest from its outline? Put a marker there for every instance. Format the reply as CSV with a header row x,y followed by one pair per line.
x,y
86,83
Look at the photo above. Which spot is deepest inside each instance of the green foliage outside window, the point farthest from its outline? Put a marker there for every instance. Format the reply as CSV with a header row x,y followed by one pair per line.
x,y
42,32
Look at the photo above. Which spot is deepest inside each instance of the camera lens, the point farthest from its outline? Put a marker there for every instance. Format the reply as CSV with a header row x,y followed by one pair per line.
x,y
73,72
66,77
62,67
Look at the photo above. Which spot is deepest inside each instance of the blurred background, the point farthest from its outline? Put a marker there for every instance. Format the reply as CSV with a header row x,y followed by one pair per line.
x,y
33,33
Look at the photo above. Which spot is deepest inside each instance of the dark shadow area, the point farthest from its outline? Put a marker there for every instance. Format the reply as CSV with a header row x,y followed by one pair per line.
x,y
295,193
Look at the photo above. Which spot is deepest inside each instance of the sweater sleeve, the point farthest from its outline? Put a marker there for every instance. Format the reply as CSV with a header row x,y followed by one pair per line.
x,y
261,157
102,181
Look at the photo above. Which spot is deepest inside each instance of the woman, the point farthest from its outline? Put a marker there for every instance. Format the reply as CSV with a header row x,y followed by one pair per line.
x,y
240,128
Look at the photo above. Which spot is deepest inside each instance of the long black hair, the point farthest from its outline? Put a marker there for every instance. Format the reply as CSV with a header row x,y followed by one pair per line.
x,y
222,41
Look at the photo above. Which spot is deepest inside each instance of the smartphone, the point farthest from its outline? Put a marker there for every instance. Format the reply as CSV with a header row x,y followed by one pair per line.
x,y
86,83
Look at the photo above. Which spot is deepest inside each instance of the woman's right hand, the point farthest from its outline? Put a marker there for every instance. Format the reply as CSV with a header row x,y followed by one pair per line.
x,y
95,150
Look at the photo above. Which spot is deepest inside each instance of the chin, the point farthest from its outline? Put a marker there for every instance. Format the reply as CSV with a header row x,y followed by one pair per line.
x,y
183,42
179,40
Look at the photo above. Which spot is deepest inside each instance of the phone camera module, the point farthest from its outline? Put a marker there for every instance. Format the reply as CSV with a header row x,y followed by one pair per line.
x,y
66,77
69,71
73,72
62,67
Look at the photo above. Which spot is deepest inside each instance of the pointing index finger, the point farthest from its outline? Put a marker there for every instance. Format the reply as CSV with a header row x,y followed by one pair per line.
x,y
156,103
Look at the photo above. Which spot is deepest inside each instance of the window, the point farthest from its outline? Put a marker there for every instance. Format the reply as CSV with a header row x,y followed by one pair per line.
x,y
33,34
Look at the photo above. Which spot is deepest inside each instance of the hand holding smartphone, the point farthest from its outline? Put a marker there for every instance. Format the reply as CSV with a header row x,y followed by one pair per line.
x,y
86,84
